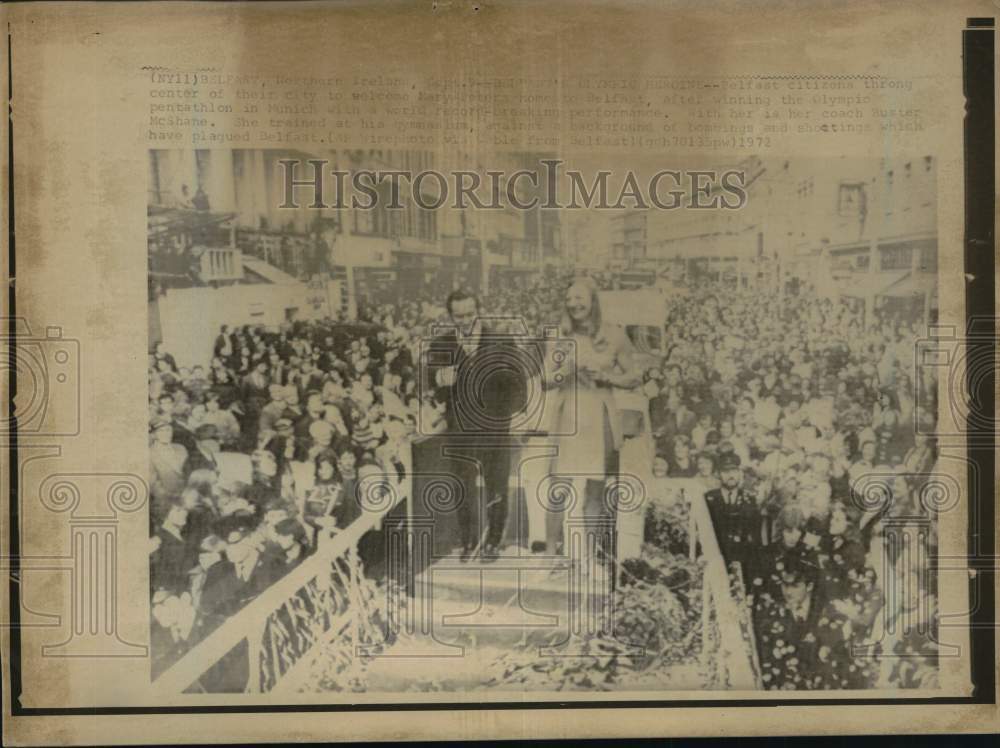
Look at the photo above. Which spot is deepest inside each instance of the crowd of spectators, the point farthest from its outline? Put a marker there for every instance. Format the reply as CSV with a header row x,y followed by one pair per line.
x,y
256,458
798,402
813,436
259,457
820,419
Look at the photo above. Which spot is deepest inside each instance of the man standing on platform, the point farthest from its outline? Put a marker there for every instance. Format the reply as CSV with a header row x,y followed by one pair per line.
x,y
477,373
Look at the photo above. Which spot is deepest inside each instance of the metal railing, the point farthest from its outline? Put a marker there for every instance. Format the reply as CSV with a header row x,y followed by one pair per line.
x,y
736,653
322,584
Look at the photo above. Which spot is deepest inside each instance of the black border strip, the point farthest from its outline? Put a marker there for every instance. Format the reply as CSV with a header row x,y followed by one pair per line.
x,y
980,262
980,309
13,498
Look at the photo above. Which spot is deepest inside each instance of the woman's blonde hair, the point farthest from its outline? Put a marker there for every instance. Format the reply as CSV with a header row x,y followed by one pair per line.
x,y
593,324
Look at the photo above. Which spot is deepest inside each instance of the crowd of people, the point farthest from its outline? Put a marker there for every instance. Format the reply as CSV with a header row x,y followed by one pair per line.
x,y
811,434
811,430
260,456
794,412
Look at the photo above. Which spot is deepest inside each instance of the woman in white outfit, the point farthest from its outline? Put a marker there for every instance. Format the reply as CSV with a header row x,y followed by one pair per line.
x,y
589,358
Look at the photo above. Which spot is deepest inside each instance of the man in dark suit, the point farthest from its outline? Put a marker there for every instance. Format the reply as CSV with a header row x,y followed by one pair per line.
x,y
223,347
173,558
233,582
736,518
786,621
255,395
478,375
309,379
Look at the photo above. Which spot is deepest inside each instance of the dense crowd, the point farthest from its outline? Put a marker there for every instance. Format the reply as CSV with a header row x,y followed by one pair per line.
x,y
792,411
256,458
259,458
810,432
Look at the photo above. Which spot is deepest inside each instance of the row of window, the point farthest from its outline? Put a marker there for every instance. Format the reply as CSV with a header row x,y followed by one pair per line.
x,y
900,258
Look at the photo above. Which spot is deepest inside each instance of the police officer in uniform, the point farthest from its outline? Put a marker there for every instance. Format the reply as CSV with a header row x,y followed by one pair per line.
x,y
736,518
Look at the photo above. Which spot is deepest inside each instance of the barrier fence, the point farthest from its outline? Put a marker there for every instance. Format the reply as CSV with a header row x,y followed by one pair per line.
x,y
274,632
736,653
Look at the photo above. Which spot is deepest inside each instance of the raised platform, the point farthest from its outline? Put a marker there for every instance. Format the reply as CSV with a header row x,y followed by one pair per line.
x,y
522,605
508,598
523,611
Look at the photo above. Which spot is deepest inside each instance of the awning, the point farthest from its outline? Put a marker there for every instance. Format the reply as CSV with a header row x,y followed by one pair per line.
x,y
268,272
870,285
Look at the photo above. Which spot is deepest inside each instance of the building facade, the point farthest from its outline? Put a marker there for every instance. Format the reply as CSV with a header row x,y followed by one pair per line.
x,y
849,228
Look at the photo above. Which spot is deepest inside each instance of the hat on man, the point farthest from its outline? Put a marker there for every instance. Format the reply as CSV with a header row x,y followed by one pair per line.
x,y
234,527
729,461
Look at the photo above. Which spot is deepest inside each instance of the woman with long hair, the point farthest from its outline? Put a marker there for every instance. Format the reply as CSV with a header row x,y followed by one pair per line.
x,y
589,359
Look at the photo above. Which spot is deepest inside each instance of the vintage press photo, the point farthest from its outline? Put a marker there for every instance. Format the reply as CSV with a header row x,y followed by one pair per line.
x,y
383,382
551,449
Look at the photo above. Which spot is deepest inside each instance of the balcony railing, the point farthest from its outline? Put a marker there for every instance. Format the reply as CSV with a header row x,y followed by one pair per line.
x,y
221,264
